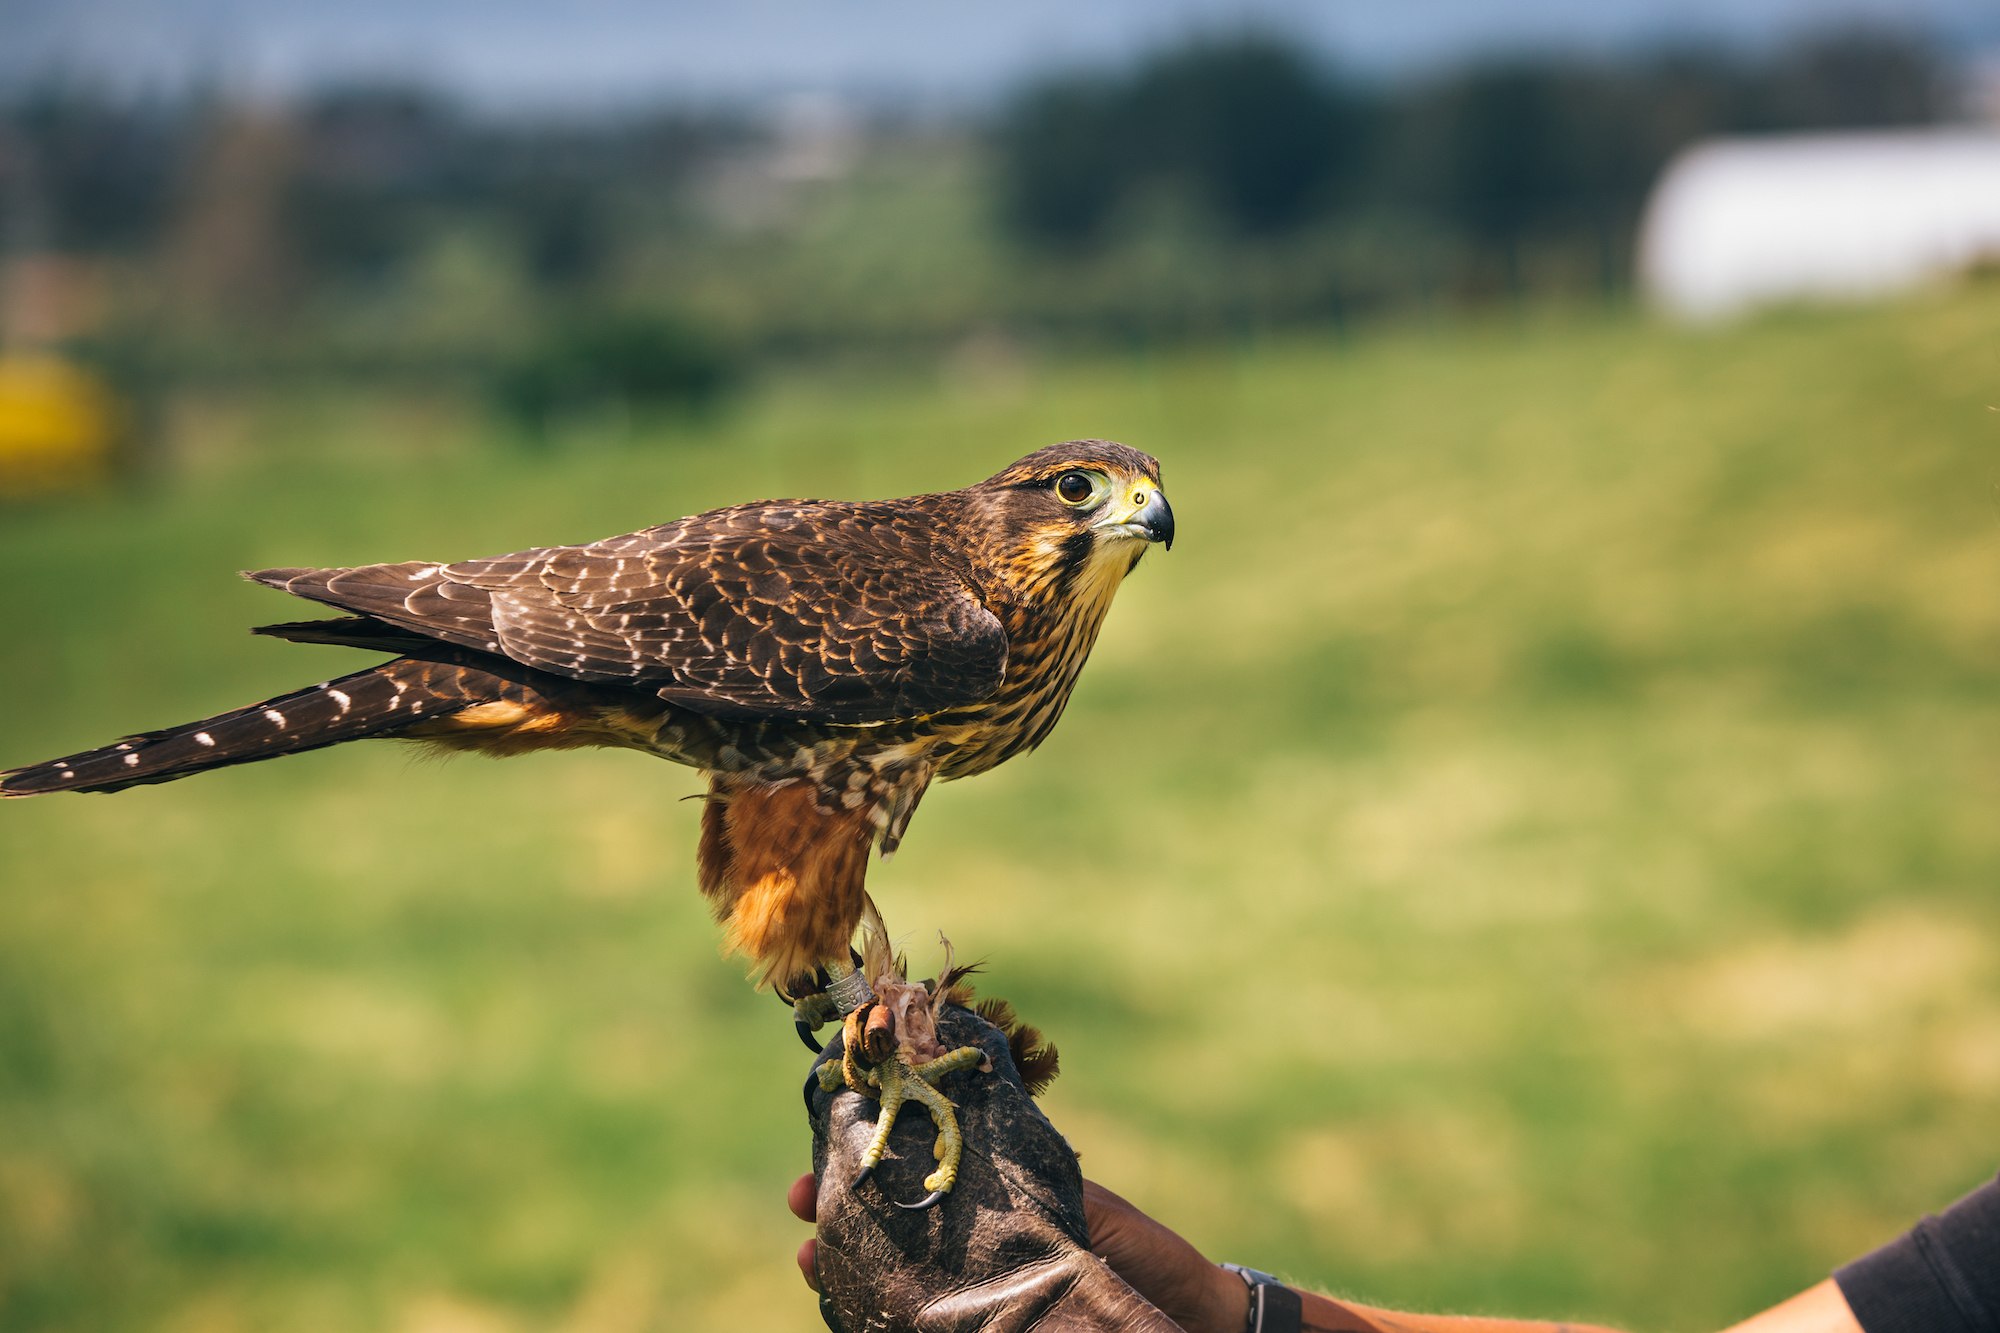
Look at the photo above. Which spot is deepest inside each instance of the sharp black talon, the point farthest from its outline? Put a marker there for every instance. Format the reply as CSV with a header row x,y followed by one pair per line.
x,y
806,1036
931,1200
861,1177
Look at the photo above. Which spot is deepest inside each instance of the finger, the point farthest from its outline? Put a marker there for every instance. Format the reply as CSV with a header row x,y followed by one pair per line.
x,y
808,1253
803,1199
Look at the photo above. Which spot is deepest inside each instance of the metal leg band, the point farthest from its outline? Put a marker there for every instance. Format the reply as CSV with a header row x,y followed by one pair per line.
x,y
850,991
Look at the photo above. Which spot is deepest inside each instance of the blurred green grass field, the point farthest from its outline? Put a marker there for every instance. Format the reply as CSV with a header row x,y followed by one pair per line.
x,y
1530,848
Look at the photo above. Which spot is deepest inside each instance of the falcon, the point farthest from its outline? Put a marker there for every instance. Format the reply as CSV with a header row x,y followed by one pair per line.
x,y
821,662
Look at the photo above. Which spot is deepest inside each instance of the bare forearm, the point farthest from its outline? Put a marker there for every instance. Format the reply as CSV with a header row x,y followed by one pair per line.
x,y
1204,1297
1223,1307
1818,1309
1323,1314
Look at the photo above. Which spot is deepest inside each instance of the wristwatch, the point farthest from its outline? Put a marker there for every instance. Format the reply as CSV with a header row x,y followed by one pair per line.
x,y
1274,1307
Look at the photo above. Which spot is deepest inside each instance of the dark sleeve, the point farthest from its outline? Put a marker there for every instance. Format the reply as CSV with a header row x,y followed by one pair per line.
x,y
1942,1276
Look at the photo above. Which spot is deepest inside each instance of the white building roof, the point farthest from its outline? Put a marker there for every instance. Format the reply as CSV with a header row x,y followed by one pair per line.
x,y
1744,222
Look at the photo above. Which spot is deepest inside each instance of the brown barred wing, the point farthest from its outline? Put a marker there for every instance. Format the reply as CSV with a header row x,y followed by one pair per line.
x,y
836,612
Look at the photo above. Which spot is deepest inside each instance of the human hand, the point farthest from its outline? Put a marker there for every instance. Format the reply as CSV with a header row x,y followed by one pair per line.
x,y
803,1200
1007,1251
1199,1296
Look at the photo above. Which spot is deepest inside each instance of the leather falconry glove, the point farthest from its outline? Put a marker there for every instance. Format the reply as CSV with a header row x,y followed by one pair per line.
x,y
1006,1252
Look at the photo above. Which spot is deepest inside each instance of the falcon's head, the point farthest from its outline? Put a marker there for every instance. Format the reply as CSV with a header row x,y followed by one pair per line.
x,y
1075,516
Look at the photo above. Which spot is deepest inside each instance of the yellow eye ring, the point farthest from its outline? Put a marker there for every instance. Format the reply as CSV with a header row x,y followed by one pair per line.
x,y
1076,489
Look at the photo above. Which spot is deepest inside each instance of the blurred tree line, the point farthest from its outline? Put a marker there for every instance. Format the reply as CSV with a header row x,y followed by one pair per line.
x,y
1493,159
642,260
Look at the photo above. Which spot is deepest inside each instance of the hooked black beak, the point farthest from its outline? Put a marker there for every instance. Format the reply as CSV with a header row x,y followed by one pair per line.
x,y
1157,518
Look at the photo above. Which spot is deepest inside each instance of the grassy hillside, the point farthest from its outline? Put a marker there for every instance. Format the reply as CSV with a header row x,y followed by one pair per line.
x,y
1531,847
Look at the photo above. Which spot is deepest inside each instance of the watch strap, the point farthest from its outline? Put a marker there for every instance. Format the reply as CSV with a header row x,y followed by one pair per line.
x,y
1274,1307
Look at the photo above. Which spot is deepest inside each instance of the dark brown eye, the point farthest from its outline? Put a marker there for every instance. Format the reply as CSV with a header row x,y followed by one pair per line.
x,y
1075,488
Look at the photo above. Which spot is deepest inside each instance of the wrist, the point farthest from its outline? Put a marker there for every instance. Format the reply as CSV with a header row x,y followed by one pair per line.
x,y
1225,1302
1273,1307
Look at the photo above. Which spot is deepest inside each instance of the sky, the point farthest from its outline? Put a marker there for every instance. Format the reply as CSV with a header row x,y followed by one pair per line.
x,y
541,53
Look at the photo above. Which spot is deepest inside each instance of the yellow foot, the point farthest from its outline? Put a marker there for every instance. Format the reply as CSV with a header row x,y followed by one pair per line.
x,y
895,1082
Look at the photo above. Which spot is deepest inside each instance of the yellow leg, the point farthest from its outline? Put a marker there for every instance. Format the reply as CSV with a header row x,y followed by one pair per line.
x,y
846,991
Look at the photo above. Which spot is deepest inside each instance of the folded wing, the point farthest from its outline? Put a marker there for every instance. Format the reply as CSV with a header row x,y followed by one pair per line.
x,y
836,612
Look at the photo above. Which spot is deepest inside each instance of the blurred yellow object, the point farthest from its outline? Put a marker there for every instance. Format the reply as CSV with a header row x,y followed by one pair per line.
x,y
58,425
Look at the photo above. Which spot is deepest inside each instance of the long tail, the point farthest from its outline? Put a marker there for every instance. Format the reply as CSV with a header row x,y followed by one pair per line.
x,y
381,701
